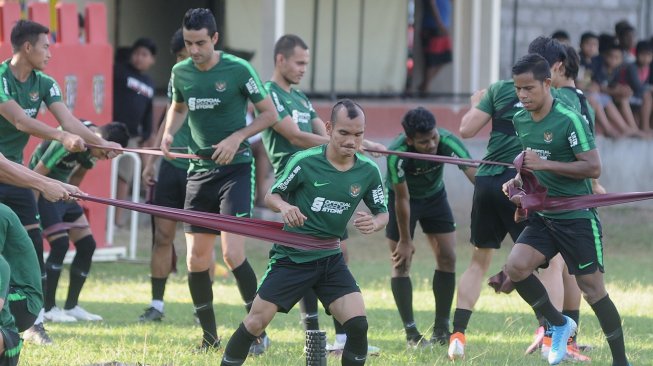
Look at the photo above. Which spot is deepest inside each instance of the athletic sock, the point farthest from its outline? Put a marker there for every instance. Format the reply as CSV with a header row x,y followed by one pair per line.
x,y
355,351
461,320
402,291
534,293
201,292
575,316
158,287
53,273
610,321
308,309
444,285
341,336
238,347
246,281
77,280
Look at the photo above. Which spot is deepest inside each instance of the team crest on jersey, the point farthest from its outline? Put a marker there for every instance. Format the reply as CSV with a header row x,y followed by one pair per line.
x,y
221,86
34,96
548,137
354,190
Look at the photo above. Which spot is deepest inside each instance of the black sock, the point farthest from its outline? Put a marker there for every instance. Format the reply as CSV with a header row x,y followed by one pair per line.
x,y
575,316
402,290
610,321
36,235
238,347
246,281
534,293
201,292
77,279
541,320
53,273
461,320
444,285
338,327
308,308
158,287
355,351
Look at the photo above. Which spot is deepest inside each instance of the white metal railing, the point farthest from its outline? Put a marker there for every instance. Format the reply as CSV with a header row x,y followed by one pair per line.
x,y
136,189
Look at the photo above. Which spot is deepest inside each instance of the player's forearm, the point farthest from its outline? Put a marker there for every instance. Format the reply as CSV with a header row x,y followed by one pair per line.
x,y
305,140
174,120
38,129
74,126
20,176
402,211
580,169
262,121
274,202
380,221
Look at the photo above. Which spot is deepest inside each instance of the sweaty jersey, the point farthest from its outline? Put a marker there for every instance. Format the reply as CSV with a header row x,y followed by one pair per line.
x,y
59,161
38,88
504,146
327,197
181,138
296,105
217,104
424,178
17,249
559,136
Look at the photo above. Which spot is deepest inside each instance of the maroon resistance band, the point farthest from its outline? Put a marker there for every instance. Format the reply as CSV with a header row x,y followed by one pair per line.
x,y
438,158
253,228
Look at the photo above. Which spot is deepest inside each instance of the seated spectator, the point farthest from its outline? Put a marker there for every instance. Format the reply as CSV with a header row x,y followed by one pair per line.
x,y
625,33
589,49
643,60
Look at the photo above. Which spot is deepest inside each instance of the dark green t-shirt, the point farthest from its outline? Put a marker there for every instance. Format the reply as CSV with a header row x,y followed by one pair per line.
x,y
502,147
217,104
559,136
38,88
6,319
17,249
424,178
296,105
327,197
181,139
59,161
572,97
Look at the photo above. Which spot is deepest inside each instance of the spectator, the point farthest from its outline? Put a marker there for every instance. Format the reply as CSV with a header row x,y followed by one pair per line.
x,y
643,60
561,36
133,92
589,49
436,43
625,33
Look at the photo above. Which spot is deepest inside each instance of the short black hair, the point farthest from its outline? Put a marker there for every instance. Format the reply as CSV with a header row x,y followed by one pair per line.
x,y
286,45
608,42
418,120
26,31
199,18
560,34
116,132
622,27
643,46
146,43
587,36
551,49
353,109
177,42
532,63
571,63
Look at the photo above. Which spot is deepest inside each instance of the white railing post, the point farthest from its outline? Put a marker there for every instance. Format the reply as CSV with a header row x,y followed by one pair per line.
x,y
136,189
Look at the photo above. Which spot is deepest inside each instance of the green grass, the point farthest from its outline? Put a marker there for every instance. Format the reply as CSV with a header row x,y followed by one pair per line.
x,y
499,331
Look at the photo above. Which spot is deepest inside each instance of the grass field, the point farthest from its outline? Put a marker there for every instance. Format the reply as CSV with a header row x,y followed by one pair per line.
x,y
499,331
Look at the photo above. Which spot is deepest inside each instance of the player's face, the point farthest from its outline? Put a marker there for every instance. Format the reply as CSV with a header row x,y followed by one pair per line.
x,y
39,54
294,67
425,143
200,45
142,59
347,134
531,93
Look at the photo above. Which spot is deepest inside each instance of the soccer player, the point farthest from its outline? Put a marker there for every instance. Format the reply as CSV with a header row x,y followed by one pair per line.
x,y
416,193
299,127
25,87
52,160
212,88
559,149
317,195
170,191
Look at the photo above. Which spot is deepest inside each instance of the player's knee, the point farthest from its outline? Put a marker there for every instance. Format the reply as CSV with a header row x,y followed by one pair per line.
x,y
255,323
356,327
516,271
163,238
233,259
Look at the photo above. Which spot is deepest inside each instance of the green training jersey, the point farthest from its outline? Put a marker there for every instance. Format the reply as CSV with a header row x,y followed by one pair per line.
x,y
327,197
424,178
181,138
559,136
504,146
38,88
572,97
6,319
16,247
217,104
59,161
296,105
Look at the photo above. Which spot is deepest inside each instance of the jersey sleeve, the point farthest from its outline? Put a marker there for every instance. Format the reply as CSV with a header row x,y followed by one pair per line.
x,y
375,196
290,179
169,90
53,154
278,105
396,169
452,146
5,94
579,136
251,85
50,90
487,102
176,89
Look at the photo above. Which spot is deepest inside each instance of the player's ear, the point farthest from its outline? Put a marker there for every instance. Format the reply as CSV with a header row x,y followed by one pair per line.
x,y
329,127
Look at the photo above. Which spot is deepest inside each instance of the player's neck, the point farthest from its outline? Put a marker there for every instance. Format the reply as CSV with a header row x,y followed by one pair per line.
x,y
567,83
20,68
539,114
215,59
278,79
340,162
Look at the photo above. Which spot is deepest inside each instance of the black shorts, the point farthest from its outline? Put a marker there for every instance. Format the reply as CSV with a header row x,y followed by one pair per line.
x,y
285,282
13,345
577,240
433,213
226,190
18,307
21,201
170,189
493,215
53,213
